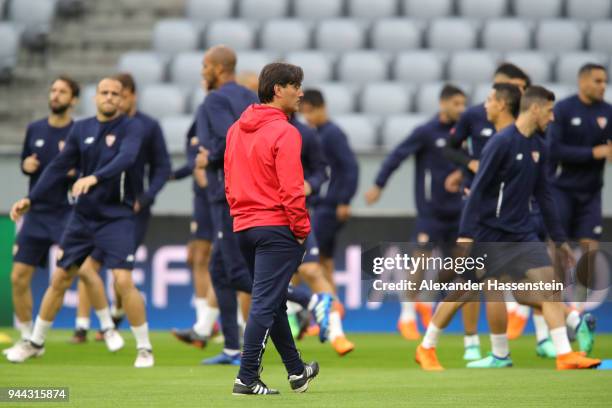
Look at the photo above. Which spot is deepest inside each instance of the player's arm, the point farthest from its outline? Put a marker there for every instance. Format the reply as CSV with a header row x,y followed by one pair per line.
x,y
29,162
314,153
544,197
563,152
160,168
221,119
490,162
128,152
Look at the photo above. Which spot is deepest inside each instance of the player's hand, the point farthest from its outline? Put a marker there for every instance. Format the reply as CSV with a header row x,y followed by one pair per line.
x,y
199,175
72,173
343,212
473,166
601,152
307,188
201,161
464,240
373,195
31,164
452,184
83,185
301,240
20,208
566,256
137,207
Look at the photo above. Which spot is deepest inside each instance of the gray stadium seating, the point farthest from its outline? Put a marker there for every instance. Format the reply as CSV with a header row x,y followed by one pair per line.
x,y
600,37
238,34
9,47
536,64
145,67
538,8
386,98
360,130
568,65
396,34
507,35
471,66
363,66
450,34
339,35
559,35
87,106
263,9
254,61
428,95
175,130
419,66
589,9
185,69
34,15
173,36
483,8
396,128
161,100
427,8
285,35
561,91
339,97
208,10
481,92
317,65
367,9
317,9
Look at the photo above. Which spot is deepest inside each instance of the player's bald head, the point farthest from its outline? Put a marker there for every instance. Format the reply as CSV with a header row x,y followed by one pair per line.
x,y
223,56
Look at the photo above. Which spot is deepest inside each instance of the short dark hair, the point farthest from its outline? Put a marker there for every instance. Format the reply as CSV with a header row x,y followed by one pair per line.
x,y
511,95
277,73
535,94
513,72
75,88
313,97
448,91
589,67
127,81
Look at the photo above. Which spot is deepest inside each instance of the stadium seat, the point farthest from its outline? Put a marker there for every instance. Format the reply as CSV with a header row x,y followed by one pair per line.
x,y
317,9
9,48
428,95
506,35
254,61
339,97
419,66
559,35
396,128
208,10
175,130
600,37
87,105
339,35
161,100
386,98
589,9
3,7
561,91
535,63
427,8
483,8
317,66
172,36
145,67
263,9
363,66
360,130
195,99
185,69
568,65
538,8
481,92
365,9
36,15
450,34
237,34
285,35
396,34
471,66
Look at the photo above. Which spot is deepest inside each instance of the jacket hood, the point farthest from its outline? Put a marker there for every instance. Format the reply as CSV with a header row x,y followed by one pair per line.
x,y
256,116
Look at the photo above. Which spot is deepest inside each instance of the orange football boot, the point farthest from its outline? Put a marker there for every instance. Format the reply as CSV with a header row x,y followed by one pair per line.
x,y
427,359
408,330
575,361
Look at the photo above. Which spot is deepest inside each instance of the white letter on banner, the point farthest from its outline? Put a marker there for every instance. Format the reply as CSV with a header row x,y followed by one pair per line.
x,y
164,276
351,278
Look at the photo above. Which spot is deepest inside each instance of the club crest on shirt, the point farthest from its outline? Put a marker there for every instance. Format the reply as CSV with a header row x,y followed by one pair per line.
x,y
60,145
602,121
110,140
535,155
194,141
39,143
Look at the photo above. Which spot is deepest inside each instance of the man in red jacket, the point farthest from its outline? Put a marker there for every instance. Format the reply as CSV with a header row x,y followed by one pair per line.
x,y
264,185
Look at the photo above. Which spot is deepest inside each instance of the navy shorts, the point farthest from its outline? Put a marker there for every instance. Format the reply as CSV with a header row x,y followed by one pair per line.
x,y
436,232
312,249
201,222
38,232
111,240
580,213
141,225
326,227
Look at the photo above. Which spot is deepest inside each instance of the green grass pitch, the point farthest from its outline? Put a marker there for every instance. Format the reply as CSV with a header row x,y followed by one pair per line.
x,y
380,372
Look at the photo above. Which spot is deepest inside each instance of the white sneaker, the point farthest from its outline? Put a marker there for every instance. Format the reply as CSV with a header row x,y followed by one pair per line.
x,y
6,351
22,351
144,359
114,341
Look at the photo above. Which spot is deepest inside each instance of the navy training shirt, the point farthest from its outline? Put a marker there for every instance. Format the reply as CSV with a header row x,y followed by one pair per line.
x,y
313,162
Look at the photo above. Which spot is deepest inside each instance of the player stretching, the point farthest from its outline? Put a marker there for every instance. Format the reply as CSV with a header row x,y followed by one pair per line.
x,y
104,148
43,226
438,210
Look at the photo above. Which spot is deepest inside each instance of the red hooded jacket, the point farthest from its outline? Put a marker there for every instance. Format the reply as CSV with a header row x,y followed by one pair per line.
x,y
264,179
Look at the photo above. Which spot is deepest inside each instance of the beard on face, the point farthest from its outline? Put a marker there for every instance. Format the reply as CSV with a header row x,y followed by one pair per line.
x,y
58,109
109,113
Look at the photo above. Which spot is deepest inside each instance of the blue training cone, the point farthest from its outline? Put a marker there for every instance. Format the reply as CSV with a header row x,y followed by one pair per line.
x,y
605,365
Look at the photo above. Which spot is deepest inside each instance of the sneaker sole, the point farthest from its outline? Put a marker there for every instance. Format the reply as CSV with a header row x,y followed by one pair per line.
x,y
197,344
